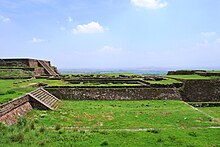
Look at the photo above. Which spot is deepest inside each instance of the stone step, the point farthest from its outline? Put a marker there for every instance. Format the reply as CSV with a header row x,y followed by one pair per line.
x,y
45,98
48,68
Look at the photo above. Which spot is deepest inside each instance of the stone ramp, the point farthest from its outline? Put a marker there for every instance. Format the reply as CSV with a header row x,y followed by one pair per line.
x,y
45,98
48,68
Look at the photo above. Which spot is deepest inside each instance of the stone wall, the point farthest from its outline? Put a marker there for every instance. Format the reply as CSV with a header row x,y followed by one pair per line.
x,y
115,93
201,90
14,62
11,111
32,63
39,71
184,72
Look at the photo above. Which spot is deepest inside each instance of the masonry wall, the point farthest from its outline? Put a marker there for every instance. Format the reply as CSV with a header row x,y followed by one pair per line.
x,y
40,71
115,93
201,90
14,62
33,63
11,111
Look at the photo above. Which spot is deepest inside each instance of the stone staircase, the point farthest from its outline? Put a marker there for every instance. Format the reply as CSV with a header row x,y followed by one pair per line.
x,y
45,98
48,68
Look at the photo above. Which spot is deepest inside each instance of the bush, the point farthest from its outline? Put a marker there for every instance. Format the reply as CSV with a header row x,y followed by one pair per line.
x,y
154,131
104,143
57,127
42,129
32,126
17,137
21,122
193,134
10,92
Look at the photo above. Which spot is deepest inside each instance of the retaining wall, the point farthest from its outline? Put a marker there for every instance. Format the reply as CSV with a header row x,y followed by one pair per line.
x,y
201,90
99,93
11,111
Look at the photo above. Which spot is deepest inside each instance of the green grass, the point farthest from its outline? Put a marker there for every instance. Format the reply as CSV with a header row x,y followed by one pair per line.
x,y
191,77
9,90
164,82
15,73
123,114
213,111
78,123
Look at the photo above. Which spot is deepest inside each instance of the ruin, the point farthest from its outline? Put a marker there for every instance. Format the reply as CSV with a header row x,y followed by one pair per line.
x,y
140,88
38,67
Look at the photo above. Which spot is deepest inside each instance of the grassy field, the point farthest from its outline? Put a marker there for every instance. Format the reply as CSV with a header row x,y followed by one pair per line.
x,y
213,111
191,77
164,82
15,73
114,123
10,89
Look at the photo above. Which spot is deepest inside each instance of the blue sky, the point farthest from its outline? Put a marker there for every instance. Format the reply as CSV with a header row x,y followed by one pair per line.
x,y
182,34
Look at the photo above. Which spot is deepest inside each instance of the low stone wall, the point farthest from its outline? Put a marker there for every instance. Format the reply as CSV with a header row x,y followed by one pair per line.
x,y
115,93
11,111
201,90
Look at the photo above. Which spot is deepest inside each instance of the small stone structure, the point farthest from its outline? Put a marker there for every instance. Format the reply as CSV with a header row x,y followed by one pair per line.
x,y
40,67
11,111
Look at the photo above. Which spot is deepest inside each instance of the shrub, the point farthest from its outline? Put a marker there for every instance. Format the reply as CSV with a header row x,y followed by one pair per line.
x,y
21,122
42,129
159,140
104,143
17,137
57,127
193,134
10,92
32,126
172,138
154,131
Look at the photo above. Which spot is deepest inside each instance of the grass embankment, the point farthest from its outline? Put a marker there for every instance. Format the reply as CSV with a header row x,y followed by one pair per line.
x,y
213,111
192,77
101,123
167,81
15,73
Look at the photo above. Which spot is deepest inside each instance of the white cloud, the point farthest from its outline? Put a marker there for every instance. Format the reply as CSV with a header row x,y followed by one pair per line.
x,y
69,19
92,27
208,34
110,49
149,4
37,40
4,19
218,40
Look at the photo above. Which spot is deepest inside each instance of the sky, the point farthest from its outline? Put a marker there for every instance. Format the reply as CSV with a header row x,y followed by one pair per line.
x,y
119,34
